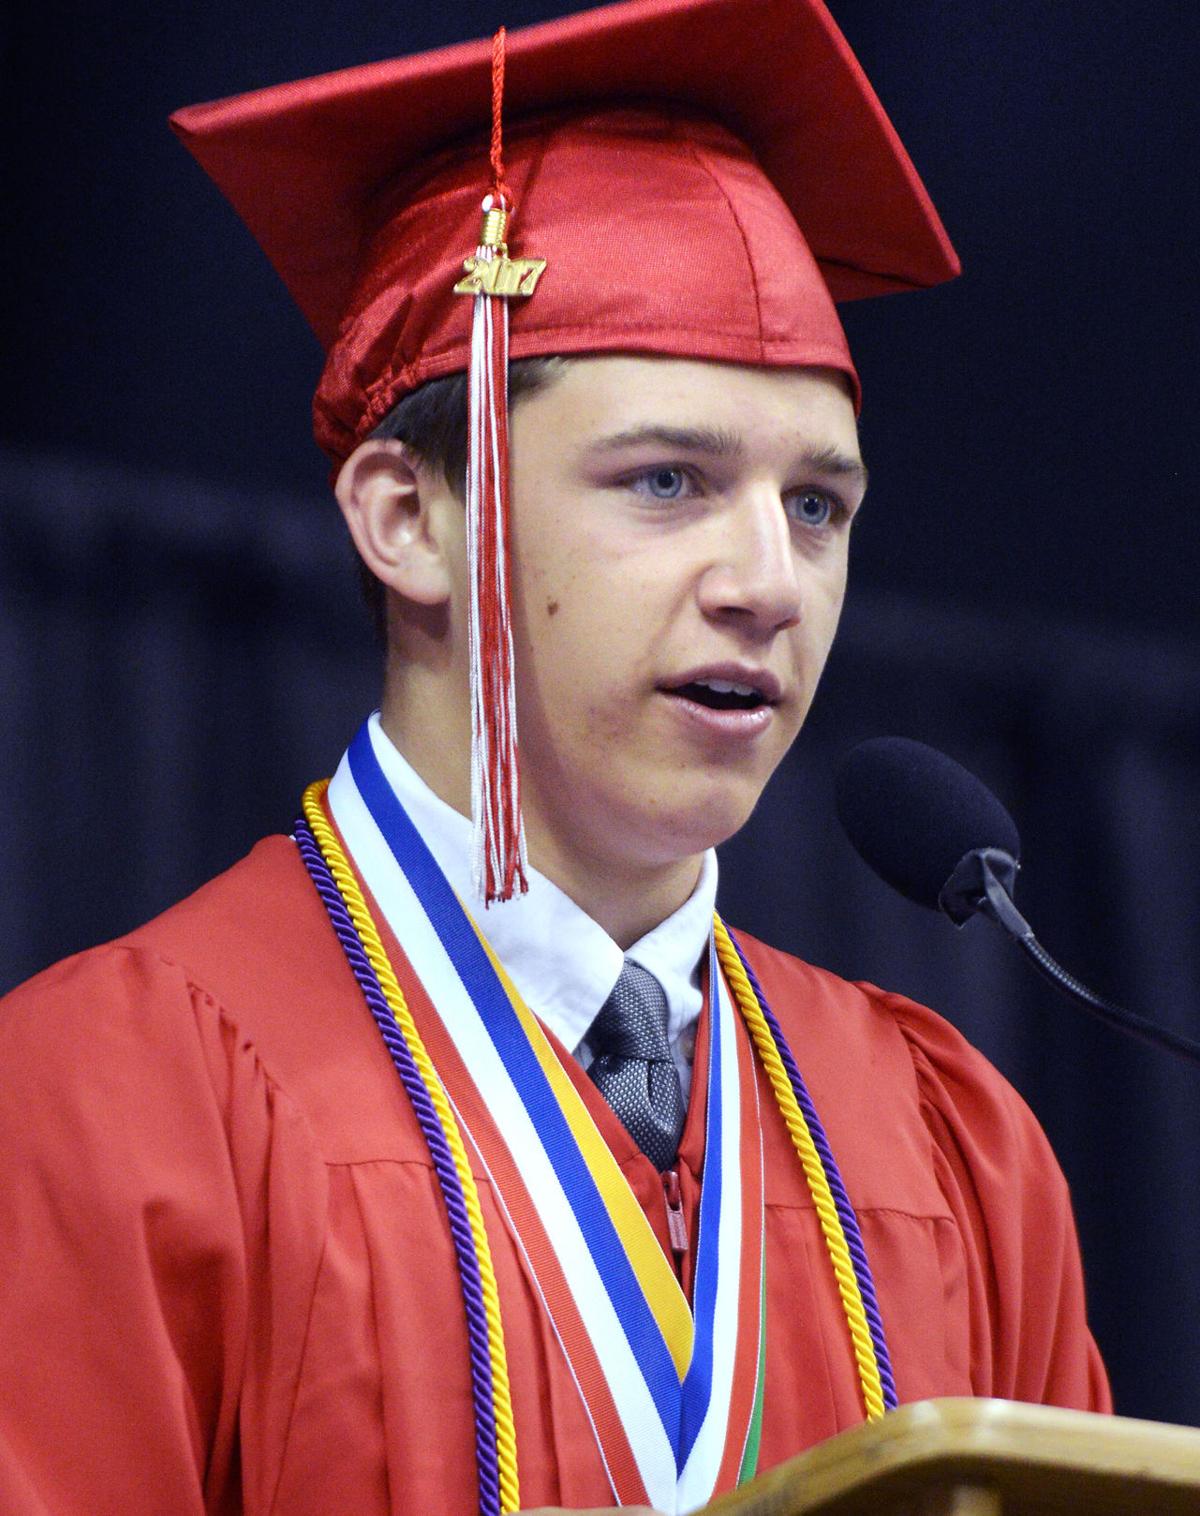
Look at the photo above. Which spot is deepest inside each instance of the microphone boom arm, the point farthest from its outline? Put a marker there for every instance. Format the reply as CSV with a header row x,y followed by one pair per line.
x,y
982,883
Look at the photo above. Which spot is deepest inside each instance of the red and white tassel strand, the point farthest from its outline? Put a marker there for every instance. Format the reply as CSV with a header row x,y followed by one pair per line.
x,y
498,861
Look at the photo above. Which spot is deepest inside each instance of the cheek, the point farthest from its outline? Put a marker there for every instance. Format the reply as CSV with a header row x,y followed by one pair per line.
x,y
561,636
828,593
581,607
581,657
814,634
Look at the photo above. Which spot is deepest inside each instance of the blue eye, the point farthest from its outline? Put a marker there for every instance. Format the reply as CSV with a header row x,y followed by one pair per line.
x,y
665,483
812,508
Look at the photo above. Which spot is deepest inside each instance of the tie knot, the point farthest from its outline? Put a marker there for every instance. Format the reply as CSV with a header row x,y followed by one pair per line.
x,y
632,1067
632,1022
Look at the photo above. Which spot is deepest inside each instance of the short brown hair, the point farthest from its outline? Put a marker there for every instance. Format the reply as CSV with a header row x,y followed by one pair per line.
x,y
432,421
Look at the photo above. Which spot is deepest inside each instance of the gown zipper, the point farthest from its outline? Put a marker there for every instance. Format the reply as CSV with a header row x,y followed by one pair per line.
x,y
676,1226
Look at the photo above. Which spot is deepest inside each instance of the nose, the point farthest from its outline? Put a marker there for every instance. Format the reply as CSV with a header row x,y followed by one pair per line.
x,y
754,576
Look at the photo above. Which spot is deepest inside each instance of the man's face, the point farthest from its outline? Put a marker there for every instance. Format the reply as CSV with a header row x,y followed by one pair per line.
x,y
679,541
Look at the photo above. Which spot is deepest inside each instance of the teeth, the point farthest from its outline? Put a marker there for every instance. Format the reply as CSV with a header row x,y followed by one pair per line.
x,y
724,687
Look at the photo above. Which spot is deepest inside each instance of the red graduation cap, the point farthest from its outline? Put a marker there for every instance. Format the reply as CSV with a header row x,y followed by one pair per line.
x,y
322,170
702,178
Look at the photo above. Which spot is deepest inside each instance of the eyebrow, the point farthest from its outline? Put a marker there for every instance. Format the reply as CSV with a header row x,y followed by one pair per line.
x,y
831,460
719,443
698,439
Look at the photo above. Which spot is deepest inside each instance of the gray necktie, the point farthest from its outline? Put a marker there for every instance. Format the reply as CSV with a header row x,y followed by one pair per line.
x,y
632,1065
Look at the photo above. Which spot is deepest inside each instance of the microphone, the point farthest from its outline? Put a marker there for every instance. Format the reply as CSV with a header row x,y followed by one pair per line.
x,y
936,833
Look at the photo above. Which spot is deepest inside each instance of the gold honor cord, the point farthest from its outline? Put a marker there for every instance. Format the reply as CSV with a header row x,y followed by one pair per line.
x,y
814,1172
356,906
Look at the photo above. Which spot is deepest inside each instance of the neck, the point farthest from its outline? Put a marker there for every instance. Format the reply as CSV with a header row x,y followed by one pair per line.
x,y
438,750
627,897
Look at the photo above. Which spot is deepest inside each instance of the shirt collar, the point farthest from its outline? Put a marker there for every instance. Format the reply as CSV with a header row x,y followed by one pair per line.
x,y
563,963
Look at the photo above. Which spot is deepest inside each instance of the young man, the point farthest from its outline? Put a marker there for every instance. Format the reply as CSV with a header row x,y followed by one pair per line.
x,y
337,1189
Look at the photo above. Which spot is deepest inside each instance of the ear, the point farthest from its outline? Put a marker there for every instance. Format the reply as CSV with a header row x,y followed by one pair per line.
x,y
395,509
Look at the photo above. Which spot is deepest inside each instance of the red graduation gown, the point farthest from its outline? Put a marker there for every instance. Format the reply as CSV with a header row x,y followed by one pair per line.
x,y
228,1285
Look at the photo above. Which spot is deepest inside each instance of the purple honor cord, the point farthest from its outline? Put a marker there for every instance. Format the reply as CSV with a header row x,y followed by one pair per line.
x,y
443,1163
854,1242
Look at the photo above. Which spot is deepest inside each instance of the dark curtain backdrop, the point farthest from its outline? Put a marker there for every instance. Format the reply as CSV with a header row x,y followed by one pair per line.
x,y
181,649
178,661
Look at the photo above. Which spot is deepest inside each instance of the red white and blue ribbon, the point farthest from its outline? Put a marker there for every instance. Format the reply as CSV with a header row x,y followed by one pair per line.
x,y
670,1391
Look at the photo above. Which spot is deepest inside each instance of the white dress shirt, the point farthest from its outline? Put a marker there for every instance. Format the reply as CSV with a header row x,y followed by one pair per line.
x,y
561,961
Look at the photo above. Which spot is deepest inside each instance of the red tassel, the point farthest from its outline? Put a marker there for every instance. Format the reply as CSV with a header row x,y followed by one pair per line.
x,y
499,844
499,858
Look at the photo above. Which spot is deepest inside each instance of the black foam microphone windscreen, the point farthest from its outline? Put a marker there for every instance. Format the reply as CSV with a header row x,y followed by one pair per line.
x,y
913,814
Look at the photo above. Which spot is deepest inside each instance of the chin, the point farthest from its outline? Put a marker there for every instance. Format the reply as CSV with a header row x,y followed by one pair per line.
x,y
688,825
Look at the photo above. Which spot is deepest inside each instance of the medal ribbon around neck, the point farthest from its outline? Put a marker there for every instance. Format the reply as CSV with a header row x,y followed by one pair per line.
x,y
670,1396
675,1403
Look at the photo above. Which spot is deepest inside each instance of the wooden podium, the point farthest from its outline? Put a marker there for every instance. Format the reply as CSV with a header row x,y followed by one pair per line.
x,y
985,1458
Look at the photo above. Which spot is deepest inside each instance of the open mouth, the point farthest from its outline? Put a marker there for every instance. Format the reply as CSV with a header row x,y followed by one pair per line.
x,y
722,695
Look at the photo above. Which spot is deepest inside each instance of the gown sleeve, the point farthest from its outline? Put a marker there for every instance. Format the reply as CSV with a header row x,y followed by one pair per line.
x,y
150,1173
1029,1338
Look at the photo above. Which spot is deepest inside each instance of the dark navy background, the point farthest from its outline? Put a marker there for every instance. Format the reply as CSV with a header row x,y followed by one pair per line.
x,y
180,647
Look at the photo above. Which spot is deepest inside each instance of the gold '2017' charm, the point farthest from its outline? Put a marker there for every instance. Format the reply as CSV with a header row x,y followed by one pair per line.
x,y
500,275
491,271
